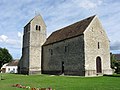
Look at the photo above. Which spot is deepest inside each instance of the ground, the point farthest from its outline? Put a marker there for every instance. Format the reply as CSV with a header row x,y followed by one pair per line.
x,y
60,82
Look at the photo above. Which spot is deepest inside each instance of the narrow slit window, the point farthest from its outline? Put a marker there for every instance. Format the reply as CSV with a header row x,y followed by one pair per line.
x,y
65,48
39,28
98,45
51,51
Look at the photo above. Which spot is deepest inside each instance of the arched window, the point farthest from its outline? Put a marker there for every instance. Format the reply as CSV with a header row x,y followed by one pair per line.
x,y
36,27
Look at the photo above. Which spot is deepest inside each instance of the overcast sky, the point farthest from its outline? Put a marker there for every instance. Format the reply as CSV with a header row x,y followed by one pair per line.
x,y
15,14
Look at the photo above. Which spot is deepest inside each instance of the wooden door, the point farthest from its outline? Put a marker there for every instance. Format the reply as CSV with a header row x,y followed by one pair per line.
x,y
98,65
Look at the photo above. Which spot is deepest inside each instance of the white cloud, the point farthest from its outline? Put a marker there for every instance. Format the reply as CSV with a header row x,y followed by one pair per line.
x,y
57,14
88,4
6,40
3,38
20,34
115,45
100,2
13,42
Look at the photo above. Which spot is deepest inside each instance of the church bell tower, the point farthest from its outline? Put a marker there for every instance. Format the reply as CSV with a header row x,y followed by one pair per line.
x,y
33,39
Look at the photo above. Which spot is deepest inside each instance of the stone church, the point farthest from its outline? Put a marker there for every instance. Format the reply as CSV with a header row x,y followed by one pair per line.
x,y
80,49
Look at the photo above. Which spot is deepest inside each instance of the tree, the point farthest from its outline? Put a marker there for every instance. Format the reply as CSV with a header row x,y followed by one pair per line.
x,y
115,64
113,61
5,56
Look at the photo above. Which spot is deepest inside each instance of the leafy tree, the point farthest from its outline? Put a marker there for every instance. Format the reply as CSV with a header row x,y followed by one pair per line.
x,y
5,56
113,61
115,64
117,70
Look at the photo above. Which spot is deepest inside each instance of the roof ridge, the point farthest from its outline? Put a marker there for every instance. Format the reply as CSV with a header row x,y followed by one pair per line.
x,y
74,23
72,30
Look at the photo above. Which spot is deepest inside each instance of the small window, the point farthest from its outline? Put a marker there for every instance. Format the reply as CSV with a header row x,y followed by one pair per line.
x,y
13,69
39,27
8,69
66,47
98,45
51,51
36,27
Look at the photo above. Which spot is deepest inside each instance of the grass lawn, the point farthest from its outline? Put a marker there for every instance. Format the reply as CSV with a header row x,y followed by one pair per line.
x,y
60,82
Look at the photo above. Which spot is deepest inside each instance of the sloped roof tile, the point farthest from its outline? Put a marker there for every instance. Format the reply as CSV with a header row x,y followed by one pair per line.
x,y
70,31
13,63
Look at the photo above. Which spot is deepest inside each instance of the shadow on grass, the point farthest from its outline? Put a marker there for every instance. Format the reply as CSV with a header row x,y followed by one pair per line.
x,y
114,75
2,79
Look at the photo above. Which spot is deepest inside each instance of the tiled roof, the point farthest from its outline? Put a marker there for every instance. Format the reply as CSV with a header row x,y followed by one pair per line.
x,y
70,31
13,63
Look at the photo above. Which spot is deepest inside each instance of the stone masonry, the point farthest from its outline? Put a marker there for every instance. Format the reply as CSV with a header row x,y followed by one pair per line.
x,y
68,52
94,35
33,38
80,49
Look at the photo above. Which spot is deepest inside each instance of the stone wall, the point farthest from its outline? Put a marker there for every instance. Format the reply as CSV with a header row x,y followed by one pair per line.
x,y
68,54
33,40
96,45
23,66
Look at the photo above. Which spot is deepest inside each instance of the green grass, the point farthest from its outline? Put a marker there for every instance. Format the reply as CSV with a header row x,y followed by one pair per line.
x,y
61,82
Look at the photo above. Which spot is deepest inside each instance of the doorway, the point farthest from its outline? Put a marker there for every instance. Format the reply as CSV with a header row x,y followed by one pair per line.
x,y
62,68
98,65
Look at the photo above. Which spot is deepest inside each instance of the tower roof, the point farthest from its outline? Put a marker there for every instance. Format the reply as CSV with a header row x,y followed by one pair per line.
x,y
70,31
40,17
